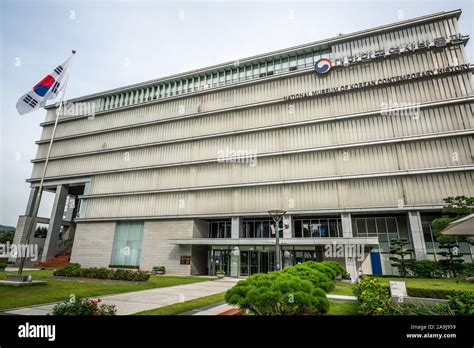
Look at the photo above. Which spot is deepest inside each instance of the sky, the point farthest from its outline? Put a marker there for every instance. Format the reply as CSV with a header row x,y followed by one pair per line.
x,y
125,42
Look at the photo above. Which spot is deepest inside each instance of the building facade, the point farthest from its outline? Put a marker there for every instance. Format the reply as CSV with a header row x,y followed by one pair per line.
x,y
358,138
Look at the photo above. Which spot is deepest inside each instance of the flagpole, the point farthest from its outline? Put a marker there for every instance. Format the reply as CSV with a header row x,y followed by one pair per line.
x,y
37,202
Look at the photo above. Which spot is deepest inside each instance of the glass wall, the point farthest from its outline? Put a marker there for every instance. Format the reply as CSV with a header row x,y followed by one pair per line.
x,y
313,227
293,255
432,246
384,228
127,245
256,228
220,229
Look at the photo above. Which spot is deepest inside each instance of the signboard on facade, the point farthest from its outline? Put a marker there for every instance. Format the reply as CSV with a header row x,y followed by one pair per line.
x,y
380,82
439,42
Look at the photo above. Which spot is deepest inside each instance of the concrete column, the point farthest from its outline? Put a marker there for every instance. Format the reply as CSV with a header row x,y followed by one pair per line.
x,y
55,222
346,222
288,233
235,226
31,201
351,268
417,238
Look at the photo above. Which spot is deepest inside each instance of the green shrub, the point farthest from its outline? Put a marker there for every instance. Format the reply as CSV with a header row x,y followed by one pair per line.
x,y
374,298
69,270
159,269
316,277
421,309
462,303
336,266
467,269
425,269
75,270
278,293
3,265
83,306
322,267
430,293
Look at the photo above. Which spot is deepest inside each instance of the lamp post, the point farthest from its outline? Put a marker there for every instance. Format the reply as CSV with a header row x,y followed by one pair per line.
x,y
277,215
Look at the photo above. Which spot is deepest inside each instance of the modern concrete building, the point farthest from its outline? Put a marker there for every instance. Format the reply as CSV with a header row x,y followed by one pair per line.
x,y
358,137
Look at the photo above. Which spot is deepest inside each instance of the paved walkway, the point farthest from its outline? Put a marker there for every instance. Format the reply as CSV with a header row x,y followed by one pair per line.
x,y
137,301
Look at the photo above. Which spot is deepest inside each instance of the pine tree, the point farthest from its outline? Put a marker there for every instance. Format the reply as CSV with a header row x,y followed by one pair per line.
x,y
399,248
453,261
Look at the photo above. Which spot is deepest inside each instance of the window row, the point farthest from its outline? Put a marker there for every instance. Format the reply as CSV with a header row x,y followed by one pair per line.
x,y
215,79
317,228
220,229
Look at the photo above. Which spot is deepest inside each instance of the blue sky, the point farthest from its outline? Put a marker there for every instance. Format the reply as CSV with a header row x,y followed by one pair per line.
x,y
125,42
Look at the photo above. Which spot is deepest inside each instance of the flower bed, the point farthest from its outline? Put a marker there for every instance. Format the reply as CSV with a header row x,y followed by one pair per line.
x,y
83,306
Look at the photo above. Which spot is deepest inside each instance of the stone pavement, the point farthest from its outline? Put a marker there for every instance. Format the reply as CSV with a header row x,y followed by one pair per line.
x,y
137,301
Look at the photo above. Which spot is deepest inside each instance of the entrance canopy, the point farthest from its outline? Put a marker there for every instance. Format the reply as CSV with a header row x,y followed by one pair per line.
x,y
271,241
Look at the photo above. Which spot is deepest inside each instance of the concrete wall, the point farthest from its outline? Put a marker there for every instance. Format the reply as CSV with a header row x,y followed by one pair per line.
x,y
93,244
156,251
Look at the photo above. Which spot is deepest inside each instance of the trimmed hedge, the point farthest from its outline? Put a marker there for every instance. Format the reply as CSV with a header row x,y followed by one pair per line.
x,y
124,266
75,270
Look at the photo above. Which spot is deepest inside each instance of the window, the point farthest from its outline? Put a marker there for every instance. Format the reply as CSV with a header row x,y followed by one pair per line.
x,y
242,74
285,64
220,229
235,75
383,228
221,78
293,63
127,245
255,70
270,68
317,228
258,229
301,61
277,66
309,59
248,72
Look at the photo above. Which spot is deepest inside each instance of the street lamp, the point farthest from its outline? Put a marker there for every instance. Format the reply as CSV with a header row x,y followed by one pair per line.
x,y
277,215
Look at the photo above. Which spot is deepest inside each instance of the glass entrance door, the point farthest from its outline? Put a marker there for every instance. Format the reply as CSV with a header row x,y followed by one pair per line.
x,y
220,261
253,262
258,262
264,262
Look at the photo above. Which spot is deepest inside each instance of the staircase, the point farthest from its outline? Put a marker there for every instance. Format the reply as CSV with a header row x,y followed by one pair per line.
x,y
58,261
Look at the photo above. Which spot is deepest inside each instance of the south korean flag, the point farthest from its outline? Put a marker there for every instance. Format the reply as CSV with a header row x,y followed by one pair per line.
x,y
47,88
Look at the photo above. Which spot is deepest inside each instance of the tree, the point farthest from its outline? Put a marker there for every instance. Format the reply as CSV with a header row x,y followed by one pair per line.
x,y
398,248
41,232
454,209
6,237
453,263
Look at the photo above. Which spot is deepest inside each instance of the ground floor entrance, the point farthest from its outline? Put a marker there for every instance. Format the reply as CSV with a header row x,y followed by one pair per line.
x,y
244,261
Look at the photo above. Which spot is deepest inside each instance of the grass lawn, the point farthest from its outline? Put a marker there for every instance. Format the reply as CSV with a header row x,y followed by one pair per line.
x,y
178,308
60,289
342,289
343,308
429,283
